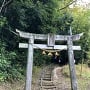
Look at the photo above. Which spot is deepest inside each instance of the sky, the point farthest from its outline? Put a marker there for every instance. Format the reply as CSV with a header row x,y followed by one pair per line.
x,y
86,1
82,3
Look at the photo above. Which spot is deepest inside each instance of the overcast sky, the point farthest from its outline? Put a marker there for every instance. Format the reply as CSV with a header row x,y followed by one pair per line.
x,y
81,3
86,1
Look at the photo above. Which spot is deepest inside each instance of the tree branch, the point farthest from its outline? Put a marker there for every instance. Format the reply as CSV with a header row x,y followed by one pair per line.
x,y
7,3
67,5
4,4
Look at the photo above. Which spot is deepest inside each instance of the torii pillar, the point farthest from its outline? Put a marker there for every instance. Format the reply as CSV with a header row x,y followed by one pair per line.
x,y
29,64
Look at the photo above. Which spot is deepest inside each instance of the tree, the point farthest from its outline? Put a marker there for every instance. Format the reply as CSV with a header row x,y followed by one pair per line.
x,y
37,16
81,24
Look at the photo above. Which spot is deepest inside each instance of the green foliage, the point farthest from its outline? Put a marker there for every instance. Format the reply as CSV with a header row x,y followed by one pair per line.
x,y
7,70
2,21
38,16
31,16
81,24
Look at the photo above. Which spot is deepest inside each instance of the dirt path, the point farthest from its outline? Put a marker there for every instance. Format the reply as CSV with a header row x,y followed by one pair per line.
x,y
61,81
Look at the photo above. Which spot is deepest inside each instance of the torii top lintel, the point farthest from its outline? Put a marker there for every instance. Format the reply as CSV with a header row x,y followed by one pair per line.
x,y
45,36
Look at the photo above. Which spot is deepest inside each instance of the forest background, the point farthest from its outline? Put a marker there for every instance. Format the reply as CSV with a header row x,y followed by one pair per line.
x,y
42,17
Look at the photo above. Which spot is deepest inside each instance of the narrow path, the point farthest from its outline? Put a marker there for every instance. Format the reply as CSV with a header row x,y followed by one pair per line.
x,y
53,79
46,82
62,82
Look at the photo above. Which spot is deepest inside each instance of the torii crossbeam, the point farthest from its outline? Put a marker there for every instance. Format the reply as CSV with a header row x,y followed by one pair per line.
x,y
51,39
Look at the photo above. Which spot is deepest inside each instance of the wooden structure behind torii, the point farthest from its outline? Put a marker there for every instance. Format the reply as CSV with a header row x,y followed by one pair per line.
x,y
51,39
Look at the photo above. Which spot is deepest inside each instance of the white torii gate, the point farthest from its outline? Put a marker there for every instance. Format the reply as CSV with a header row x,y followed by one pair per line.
x,y
51,38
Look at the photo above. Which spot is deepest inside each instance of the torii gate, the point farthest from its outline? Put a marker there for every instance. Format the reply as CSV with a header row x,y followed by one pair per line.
x,y
51,39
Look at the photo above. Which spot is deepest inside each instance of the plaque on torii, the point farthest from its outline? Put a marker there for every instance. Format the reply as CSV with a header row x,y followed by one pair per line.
x,y
51,39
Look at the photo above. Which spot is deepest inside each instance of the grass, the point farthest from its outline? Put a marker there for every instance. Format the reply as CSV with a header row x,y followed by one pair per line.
x,y
20,84
36,76
17,85
83,76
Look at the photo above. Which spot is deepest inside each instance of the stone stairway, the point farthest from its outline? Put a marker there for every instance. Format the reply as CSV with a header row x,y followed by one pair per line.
x,y
46,82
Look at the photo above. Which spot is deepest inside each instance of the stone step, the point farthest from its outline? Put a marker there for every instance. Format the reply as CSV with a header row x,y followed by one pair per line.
x,y
48,79
47,83
48,87
47,73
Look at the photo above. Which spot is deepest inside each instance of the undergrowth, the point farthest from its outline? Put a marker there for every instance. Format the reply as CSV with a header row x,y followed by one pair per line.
x,y
82,73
